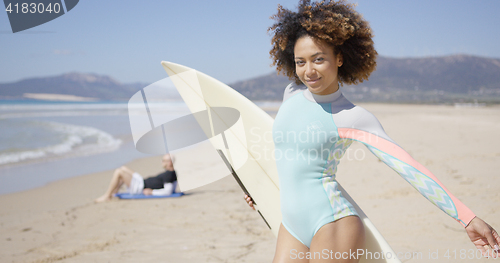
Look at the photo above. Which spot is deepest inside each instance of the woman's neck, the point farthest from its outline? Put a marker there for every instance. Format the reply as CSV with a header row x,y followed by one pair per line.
x,y
322,98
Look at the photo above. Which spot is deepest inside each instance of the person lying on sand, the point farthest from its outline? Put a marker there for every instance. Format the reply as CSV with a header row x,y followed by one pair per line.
x,y
160,185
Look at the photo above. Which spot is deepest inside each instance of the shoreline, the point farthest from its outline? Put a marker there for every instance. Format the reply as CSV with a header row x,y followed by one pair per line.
x,y
33,174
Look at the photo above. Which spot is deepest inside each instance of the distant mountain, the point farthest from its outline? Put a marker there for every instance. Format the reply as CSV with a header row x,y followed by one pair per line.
x,y
457,78
77,84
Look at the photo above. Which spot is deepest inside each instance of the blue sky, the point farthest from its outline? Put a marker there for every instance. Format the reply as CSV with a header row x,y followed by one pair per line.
x,y
228,40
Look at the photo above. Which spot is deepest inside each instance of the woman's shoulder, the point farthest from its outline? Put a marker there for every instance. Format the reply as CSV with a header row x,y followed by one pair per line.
x,y
347,115
361,119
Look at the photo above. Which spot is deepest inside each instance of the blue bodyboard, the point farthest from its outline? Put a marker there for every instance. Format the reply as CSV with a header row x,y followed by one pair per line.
x,y
143,196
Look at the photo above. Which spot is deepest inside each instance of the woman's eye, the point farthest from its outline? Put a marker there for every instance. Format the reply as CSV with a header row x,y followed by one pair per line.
x,y
299,63
319,59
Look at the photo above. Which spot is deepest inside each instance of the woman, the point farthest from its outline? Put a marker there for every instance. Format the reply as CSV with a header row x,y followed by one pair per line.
x,y
321,46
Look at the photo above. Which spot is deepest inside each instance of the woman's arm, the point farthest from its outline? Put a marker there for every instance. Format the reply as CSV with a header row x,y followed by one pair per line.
x,y
413,172
367,130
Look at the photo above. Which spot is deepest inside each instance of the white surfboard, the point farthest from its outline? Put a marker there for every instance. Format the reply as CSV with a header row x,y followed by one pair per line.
x,y
247,146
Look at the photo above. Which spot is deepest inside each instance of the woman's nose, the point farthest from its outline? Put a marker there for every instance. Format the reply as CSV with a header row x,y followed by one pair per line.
x,y
310,70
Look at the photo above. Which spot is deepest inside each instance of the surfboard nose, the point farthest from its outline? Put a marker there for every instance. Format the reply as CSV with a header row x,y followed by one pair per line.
x,y
173,68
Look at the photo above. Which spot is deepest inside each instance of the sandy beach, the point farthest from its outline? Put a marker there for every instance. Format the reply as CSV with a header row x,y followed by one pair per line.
x,y
56,97
60,223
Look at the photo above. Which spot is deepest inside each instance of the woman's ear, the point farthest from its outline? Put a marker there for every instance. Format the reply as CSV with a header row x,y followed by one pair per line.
x,y
340,60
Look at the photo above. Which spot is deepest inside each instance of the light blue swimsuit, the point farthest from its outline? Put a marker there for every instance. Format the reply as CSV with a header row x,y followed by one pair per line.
x,y
311,133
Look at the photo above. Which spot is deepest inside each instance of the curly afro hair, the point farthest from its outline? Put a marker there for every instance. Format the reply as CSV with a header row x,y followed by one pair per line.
x,y
336,23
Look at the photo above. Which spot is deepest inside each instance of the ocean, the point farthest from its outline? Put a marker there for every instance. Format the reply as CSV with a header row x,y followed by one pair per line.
x,y
42,141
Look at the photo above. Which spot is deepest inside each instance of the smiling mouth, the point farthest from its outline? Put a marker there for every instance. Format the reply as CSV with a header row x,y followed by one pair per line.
x,y
312,81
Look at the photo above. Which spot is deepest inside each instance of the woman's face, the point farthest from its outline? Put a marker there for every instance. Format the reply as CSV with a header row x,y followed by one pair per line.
x,y
317,65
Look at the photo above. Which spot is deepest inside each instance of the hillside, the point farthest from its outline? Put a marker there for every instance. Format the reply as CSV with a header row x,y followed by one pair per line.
x,y
449,79
77,84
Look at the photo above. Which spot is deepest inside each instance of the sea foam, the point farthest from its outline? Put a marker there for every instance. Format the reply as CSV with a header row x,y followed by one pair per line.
x,y
77,141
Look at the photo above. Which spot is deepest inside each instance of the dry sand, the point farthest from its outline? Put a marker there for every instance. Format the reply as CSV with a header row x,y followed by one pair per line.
x,y
60,223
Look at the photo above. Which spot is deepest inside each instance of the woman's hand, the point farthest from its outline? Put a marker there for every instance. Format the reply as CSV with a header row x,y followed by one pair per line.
x,y
147,191
484,237
249,201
